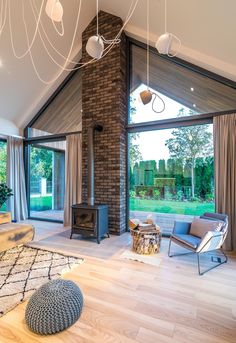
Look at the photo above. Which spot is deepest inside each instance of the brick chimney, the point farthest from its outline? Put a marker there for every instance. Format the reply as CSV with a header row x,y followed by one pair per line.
x,y
104,101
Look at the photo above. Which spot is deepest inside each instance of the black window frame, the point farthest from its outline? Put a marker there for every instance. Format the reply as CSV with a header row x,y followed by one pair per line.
x,y
199,119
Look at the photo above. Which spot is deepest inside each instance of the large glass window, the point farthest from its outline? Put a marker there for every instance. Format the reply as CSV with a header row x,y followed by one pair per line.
x,y
3,165
47,180
172,169
171,174
180,87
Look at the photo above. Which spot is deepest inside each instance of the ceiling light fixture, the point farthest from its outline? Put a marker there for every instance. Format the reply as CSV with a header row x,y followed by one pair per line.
x,y
147,95
95,44
54,10
165,41
192,89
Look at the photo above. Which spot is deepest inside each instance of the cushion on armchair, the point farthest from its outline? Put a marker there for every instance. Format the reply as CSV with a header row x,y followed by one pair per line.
x,y
212,240
191,241
200,227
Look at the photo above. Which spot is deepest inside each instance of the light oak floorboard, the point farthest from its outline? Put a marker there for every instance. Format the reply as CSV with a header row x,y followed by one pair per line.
x,y
128,301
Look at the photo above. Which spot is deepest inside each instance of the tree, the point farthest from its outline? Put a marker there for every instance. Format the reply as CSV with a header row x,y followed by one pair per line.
x,y
3,162
134,151
162,168
41,163
204,177
189,143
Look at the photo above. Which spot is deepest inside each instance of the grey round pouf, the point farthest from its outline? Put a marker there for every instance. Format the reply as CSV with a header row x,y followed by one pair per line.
x,y
54,307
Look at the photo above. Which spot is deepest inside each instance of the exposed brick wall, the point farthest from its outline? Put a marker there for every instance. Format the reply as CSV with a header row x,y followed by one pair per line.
x,y
104,102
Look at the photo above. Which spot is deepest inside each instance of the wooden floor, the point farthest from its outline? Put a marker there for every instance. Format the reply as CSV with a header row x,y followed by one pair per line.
x,y
128,301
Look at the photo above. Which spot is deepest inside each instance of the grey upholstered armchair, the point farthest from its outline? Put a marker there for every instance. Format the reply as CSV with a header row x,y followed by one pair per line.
x,y
204,234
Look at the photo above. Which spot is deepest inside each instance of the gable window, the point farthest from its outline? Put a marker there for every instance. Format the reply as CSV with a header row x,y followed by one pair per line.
x,y
171,154
45,149
179,87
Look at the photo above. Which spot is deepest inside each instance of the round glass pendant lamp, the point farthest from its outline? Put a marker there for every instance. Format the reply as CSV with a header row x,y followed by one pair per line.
x,y
54,10
146,96
95,46
163,43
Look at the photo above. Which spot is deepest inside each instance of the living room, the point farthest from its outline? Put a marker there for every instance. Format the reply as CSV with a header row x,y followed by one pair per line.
x,y
117,171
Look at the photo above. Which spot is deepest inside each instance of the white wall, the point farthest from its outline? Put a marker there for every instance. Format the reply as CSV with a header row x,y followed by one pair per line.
x,y
7,127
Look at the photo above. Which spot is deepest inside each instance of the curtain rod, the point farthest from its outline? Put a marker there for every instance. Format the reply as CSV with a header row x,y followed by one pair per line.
x,y
10,135
51,137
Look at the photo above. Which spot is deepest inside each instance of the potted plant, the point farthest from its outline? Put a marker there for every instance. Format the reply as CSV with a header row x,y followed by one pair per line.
x,y
5,193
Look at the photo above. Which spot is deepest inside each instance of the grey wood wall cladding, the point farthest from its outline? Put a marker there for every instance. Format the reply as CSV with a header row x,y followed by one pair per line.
x,y
175,81
64,112
104,102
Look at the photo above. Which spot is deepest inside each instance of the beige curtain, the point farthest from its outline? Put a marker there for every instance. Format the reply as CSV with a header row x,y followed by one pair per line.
x,y
225,172
17,204
73,187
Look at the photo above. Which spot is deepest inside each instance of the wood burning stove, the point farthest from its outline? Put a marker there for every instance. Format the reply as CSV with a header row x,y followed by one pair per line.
x,y
90,220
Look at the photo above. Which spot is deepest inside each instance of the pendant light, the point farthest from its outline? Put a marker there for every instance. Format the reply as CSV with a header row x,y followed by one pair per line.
x,y
54,10
95,44
147,96
164,42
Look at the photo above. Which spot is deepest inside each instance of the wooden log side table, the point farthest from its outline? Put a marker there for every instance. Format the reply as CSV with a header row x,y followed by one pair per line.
x,y
146,239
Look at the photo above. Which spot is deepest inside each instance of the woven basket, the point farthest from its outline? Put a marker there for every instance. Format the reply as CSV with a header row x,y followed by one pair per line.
x,y
146,241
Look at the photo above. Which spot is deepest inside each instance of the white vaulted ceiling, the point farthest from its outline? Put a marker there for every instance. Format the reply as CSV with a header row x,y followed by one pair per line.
x,y
206,28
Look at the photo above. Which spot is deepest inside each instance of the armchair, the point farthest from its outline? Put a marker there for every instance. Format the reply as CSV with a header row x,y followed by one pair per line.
x,y
205,234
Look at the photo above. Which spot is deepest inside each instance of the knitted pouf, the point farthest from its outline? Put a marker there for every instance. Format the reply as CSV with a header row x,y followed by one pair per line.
x,y
54,307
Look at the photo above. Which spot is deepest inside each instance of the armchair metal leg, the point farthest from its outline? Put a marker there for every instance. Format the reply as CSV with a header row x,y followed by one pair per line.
x,y
169,248
181,254
200,272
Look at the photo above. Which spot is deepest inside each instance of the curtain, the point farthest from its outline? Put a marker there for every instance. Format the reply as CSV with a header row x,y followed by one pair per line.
x,y
225,172
73,187
17,204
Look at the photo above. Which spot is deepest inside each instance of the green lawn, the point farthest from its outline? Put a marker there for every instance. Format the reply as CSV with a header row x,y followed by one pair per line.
x,y
175,207
41,203
161,206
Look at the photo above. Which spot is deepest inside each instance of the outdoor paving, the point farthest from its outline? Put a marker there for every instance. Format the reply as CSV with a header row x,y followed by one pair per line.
x,y
48,214
164,220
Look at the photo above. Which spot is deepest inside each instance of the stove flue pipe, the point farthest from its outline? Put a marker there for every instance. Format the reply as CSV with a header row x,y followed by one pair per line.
x,y
91,130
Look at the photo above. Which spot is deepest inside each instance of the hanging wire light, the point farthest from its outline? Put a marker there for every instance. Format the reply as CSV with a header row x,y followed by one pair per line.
x,y
55,12
165,41
147,95
95,44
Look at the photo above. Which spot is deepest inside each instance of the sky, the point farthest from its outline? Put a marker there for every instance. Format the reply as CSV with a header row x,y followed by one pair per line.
x,y
145,113
152,143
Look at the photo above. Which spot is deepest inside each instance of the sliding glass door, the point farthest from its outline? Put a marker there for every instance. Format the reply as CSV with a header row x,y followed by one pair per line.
x,y
171,174
3,166
46,180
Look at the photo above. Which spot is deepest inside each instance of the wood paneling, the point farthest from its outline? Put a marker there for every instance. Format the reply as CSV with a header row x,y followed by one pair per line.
x,y
127,301
64,112
175,82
